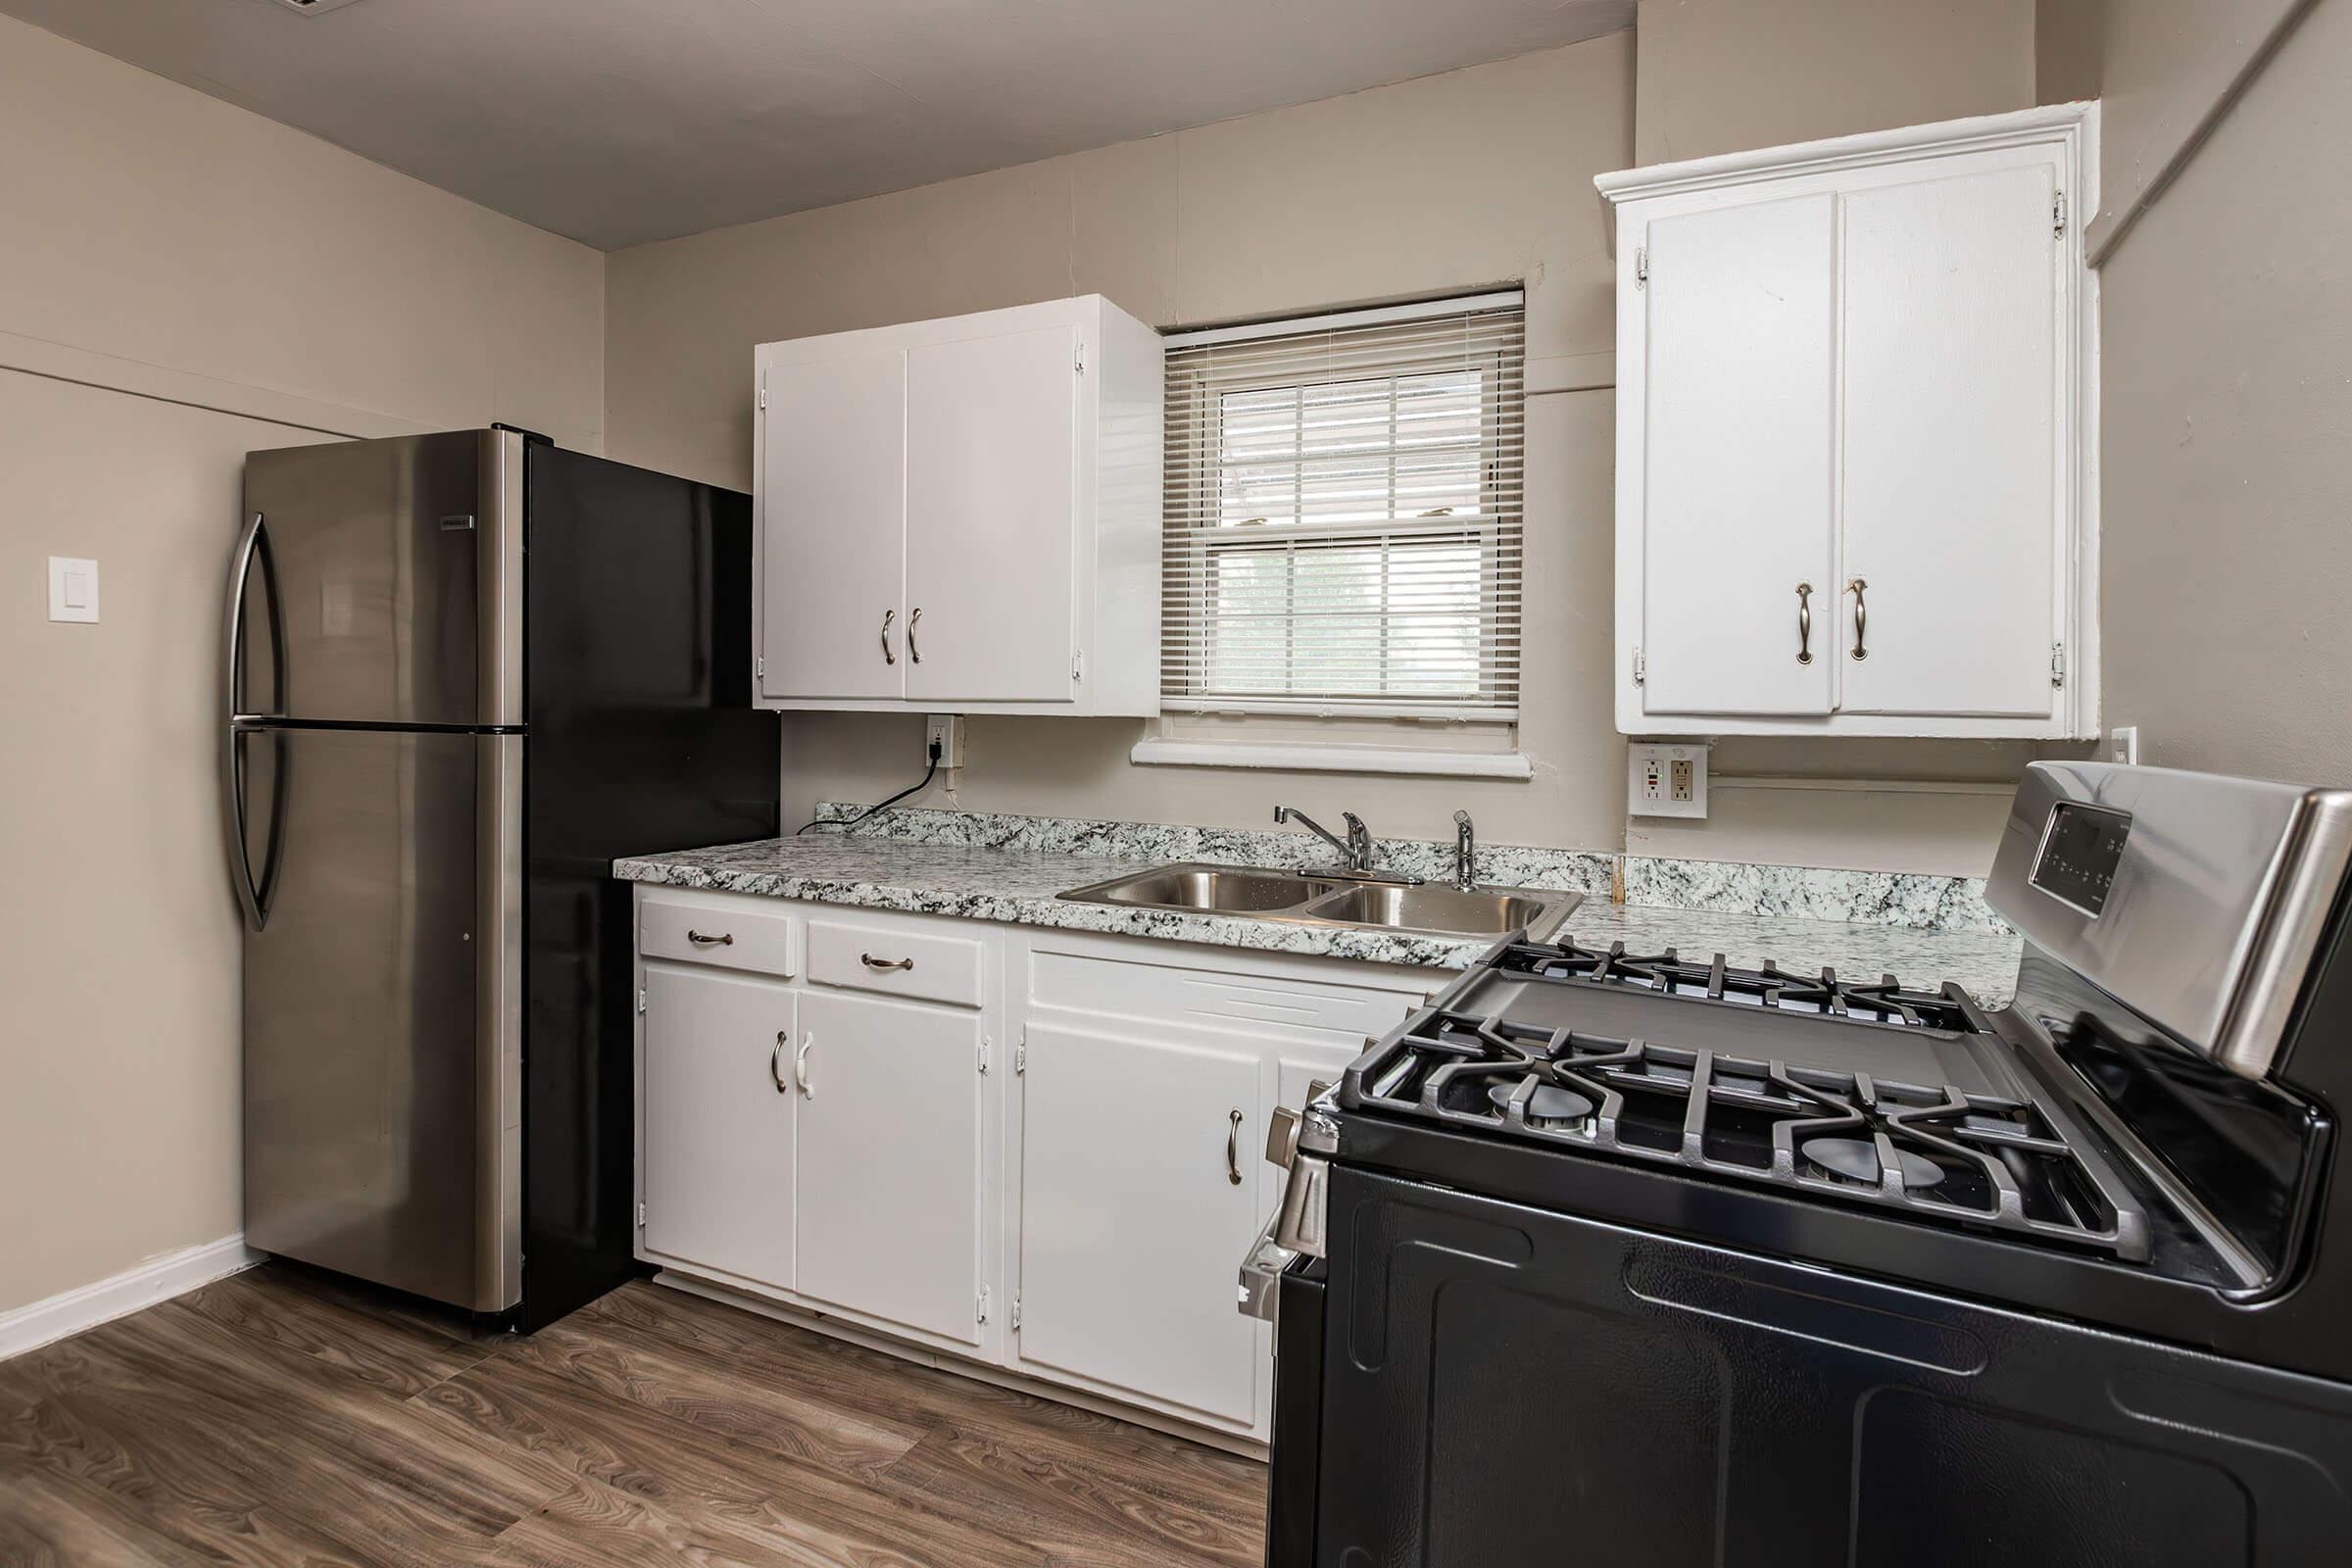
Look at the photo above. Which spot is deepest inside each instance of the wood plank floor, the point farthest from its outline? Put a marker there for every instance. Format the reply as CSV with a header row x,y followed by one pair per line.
x,y
282,1417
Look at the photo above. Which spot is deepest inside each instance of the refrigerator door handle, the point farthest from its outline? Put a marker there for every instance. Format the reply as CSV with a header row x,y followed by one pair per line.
x,y
253,893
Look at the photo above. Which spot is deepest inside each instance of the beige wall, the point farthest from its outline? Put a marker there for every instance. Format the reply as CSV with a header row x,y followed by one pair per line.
x,y
157,239
1450,182
1724,76
2228,424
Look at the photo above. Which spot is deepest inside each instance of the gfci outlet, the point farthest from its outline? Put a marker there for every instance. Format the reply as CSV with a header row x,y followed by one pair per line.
x,y
1666,780
945,732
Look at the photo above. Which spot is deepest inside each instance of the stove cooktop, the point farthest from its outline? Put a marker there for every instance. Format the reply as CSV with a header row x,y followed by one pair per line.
x,y
1870,1094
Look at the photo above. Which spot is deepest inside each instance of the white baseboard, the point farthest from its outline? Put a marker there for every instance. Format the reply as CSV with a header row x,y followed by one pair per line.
x,y
159,1279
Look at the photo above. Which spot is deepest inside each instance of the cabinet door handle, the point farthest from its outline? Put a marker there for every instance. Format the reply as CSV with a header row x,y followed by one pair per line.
x,y
799,1067
725,938
872,962
1861,616
1804,624
890,655
775,1064
914,652
1233,1149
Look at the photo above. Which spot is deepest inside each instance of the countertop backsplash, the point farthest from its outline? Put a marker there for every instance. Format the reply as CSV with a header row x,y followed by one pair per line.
x,y
1907,900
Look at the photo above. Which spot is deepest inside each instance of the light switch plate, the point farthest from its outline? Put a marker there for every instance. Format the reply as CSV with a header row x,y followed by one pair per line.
x,y
1663,780
73,589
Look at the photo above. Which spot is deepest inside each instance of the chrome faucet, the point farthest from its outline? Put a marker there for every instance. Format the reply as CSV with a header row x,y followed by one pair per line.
x,y
1465,852
1355,850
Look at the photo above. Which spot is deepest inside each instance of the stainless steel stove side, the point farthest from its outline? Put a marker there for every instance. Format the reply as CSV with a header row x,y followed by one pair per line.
x,y
2221,895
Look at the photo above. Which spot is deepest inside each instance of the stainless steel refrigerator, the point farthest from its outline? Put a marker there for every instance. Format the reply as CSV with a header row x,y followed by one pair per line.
x,y
462,672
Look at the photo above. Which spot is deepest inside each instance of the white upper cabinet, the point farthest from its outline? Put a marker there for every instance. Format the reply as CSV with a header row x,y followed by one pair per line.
x,y
962,514
1856,484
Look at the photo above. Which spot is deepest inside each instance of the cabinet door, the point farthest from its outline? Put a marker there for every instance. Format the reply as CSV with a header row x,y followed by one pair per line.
x,y
718,1121
1952,414
1132,1226
1737,462
991,477
833,548
888,1176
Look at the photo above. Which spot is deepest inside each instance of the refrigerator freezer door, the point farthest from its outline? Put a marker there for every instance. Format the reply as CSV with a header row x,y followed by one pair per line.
x,y
393,582
383,1008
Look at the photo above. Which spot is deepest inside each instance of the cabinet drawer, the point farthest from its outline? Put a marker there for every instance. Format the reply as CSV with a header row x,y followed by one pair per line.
x,y
897,962
1324,1011
735,938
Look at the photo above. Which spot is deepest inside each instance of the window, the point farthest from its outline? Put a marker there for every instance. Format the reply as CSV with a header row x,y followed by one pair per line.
x,y
1343,514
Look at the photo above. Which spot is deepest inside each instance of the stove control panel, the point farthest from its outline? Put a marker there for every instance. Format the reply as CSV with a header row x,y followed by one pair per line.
x,y
2081,847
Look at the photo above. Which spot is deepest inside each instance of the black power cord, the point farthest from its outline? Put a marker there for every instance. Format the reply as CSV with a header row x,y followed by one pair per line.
x,y
850,823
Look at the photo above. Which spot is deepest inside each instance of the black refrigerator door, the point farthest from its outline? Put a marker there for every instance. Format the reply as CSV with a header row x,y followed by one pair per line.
x,y
637,616
1503,1384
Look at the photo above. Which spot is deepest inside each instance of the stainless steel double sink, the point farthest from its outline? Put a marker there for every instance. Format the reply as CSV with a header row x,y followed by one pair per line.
x,y
1308,898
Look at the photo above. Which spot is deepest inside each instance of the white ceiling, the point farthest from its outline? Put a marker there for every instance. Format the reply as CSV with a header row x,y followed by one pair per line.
x,y
617,121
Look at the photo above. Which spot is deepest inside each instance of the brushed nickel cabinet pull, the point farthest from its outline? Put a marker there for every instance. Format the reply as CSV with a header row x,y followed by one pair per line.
x,y
872,962
775,1065
914,652
1804,624
889,655
1233,1149
1861,616
725,938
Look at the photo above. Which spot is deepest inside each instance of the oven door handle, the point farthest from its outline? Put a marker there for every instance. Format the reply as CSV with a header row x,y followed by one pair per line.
x,y
1262,1272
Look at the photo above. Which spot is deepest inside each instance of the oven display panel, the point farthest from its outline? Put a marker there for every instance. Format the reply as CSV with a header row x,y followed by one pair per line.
x,y
2080,850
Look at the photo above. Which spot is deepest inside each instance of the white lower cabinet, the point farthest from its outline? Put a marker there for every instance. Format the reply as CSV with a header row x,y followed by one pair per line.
x,y
1038,1151
887,1178
1139,1184
717,1113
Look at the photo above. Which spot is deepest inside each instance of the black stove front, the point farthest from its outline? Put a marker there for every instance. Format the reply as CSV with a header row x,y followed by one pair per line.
x,y
1657,1261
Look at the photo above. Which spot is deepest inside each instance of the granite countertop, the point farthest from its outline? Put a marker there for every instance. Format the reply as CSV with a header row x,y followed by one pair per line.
x,y
1022,886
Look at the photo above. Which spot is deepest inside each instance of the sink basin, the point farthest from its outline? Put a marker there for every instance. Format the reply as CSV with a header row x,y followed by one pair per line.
x,y
1435,907
1426,907
1208,889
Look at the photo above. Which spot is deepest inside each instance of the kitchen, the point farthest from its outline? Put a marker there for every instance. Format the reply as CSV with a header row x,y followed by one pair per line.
x,y
624,253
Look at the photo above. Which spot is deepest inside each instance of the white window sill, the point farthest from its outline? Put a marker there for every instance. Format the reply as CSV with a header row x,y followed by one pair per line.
x,y
1159,751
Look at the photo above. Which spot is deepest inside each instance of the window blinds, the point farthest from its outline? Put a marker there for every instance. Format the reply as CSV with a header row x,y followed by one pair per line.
x,y
1343,531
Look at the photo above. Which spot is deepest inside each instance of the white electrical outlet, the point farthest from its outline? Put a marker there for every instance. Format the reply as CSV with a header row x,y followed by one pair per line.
x,y
945,732
1666,780
2123,743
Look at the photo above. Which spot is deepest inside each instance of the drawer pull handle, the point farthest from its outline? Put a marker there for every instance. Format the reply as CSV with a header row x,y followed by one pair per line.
x,y
799,1067
775,1064
889,655
914,652
1233,1149
872,962
725,938
1861,616
1804,624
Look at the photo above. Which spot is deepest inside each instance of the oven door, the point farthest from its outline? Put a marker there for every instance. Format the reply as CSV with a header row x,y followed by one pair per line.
x,y
1505,1384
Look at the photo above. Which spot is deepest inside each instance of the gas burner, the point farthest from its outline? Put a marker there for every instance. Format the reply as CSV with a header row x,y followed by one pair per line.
x,y
1883,1000
1925,1149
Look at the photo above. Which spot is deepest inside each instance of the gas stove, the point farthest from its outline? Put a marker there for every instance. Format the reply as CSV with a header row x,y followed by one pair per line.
x,y
1775,1265
1839,1109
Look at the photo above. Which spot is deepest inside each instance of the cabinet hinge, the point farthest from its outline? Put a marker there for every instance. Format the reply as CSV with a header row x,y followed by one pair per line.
x,y
1640,668
2057,663
641,1216
1077,665
641,998
1642,267
1014,1322
1078,359
764,397
759,667
2058,215
1021,1054
984,1055
981,1310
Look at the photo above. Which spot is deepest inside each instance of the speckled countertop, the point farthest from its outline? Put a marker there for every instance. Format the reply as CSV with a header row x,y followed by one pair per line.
x,y
1022,886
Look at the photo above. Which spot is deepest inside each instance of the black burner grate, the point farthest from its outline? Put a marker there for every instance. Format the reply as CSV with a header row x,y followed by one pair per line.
x,y
1883,1000
1930,1151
